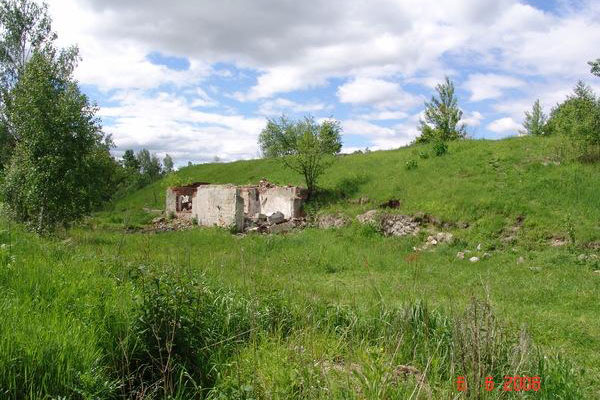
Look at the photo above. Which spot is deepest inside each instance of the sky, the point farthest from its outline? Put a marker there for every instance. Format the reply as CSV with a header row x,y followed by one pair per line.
x,y
198,79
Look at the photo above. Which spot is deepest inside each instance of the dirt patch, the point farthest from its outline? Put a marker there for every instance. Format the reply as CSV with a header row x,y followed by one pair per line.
x,y
393,203
509,235
558,242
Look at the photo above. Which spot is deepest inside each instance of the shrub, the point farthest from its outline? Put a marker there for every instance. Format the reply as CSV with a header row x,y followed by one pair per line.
x,y
440,148
411,164
578,119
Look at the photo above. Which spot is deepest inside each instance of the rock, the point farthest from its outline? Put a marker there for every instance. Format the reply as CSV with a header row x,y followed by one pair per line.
x,y
360,200
520,260
282,227
597,271
370,217
398,225
276,217
474,259
460,255
535,269
479,247
331,221
486,255
582,257
444,237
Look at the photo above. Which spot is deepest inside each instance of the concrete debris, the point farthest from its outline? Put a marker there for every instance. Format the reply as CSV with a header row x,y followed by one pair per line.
x,y
360,200
438,238
162,224
398,225
370,217
327,221
276,218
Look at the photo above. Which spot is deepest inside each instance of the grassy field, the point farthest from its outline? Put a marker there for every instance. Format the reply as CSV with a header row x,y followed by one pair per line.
x,y
101,312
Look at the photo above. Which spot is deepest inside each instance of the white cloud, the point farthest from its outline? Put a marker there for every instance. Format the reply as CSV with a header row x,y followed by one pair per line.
x,y
490,86
384,115
376,92
381,137
381,49
167,123
472,119
280,106
503,125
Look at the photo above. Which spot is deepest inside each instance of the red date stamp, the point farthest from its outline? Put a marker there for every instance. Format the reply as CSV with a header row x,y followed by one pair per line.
x,y
510,384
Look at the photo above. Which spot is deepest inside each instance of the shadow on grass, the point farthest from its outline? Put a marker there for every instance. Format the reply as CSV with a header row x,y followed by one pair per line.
x,y
342,191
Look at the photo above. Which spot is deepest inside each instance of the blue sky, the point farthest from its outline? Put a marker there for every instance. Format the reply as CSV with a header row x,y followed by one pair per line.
x,y
198,79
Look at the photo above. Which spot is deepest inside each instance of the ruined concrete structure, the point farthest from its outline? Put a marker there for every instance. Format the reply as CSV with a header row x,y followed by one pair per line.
x,y
238,207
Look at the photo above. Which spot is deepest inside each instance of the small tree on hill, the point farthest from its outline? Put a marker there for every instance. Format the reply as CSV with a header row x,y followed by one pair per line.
x,y
130,162
150,165
535,121
442,116
304,146
578,118
595,67
168,164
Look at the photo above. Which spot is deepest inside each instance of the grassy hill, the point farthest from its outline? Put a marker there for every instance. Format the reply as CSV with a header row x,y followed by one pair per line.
x,y
322,313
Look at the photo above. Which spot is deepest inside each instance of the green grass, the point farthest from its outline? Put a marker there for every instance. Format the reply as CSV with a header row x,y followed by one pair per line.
x,y
316,313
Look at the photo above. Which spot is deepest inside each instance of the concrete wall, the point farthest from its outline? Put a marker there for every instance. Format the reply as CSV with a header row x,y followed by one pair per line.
x,y
286,199
171,200
219,205
251,202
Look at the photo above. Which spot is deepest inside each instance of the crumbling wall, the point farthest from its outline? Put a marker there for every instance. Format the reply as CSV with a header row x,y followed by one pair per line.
x,y
285,199
171,202
180,199
219,205
251,200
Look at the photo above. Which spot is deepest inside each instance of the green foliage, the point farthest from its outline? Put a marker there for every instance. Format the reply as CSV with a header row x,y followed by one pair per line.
x,y
168,164
442,116
411,164
25,28
535,121
578,119
595,67
61,168
304,146
150,166
439,147
130,162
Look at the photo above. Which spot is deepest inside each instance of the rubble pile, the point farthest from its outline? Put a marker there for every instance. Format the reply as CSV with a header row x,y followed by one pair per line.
x,y
274,223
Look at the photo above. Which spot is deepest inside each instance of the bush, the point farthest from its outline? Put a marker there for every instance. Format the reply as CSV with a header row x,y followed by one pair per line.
x,y
411,164
440,148
578,119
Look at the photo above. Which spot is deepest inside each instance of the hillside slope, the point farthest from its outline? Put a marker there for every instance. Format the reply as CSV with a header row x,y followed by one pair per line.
x,y
487,183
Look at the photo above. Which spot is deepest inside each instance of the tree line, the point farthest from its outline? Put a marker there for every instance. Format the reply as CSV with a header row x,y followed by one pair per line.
x,y
55,161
